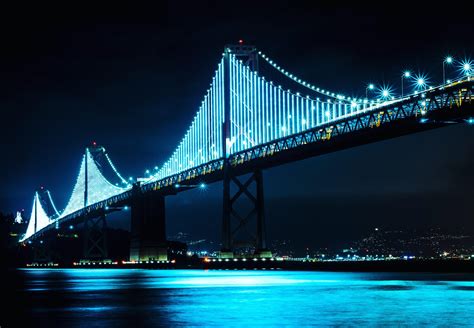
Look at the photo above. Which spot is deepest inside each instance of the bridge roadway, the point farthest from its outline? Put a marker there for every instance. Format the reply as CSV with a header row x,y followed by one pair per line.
x,y
439,107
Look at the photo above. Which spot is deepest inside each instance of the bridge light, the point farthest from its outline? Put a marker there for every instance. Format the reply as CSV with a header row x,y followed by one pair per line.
x,y
71,227
406,74
448,81
147,171
420,81
466,67
448,60
371,86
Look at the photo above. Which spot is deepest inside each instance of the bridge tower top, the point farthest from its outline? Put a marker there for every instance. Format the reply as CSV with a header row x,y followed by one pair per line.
x,y
246,53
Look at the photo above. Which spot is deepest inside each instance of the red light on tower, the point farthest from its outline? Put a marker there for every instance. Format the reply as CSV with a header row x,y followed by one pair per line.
x,y
94,143
241,41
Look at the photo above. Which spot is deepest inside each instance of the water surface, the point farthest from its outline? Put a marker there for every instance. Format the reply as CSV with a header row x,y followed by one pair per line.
x,y
121,298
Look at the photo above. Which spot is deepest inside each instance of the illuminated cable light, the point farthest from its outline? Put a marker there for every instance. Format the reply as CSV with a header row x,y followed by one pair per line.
x,y
113,166
56,212
294,78
38,219
99,188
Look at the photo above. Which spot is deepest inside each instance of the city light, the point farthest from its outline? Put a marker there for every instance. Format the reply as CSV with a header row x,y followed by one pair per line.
x,y
71,227
448,60
202,186
406,74
371,86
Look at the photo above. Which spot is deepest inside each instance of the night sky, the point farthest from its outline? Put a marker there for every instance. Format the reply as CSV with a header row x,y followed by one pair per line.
x,y
132,79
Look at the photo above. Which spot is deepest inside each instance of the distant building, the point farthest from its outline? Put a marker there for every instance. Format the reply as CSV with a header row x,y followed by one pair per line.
x,y
18,218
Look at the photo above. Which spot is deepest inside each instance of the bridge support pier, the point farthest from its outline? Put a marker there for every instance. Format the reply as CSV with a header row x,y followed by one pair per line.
x,y
95,238
148,229
236,220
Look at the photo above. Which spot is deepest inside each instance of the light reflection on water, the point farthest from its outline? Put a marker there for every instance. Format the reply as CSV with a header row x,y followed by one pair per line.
x,y
105,297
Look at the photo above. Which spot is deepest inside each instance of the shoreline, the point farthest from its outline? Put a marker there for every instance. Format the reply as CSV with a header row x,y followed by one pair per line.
x,y
433,266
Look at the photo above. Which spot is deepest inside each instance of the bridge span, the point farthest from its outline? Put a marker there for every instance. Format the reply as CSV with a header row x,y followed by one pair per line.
x,y
245,124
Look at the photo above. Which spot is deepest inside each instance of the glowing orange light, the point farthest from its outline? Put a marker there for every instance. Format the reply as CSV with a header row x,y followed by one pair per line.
x,y
173,261
206,259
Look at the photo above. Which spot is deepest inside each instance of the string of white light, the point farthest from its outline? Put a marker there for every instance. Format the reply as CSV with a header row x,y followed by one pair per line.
x,y
306,84
115,170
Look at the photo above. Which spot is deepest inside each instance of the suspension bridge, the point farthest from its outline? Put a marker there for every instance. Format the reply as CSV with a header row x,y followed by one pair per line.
x,y
244,124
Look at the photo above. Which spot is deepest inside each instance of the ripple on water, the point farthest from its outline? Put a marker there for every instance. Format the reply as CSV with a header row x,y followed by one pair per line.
x,y
392,287
470,288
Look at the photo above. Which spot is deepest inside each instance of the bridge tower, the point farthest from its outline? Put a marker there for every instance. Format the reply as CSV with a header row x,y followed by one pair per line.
x,y
235,220
95,227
